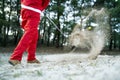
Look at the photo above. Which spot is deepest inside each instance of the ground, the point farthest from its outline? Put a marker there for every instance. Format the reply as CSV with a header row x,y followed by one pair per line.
x,y
61,66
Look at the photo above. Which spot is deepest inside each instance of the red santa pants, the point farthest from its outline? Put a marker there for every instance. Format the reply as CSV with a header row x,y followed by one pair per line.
x,y
30,22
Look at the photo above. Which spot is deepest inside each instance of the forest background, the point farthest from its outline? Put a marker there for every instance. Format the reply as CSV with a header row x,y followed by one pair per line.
x,y
64,13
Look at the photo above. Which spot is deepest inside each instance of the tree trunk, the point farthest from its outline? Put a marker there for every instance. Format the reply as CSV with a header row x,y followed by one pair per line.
x,y
114,35
48,39
110,44
58,25
119,42
111,34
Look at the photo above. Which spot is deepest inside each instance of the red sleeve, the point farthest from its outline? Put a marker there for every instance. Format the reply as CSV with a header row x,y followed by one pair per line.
x,y
45,4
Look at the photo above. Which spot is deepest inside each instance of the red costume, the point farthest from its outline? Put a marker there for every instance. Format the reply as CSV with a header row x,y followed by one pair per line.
x,y
30,22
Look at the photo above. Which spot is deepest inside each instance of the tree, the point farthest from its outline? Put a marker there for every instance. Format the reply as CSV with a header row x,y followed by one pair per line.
x,y
9,18
64,13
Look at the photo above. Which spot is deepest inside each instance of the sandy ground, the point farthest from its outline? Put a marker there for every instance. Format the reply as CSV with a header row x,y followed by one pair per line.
x,y
57,66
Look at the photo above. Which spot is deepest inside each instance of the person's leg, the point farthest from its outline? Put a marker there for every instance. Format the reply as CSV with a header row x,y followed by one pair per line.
x,y
32,47
33,43
16,56
30,31
22,46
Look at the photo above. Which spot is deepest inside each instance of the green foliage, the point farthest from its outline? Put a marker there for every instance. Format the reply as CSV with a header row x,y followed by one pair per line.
x,y
74,2
65,14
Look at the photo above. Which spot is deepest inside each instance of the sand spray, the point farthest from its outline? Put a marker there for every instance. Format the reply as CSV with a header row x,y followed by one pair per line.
x,y
93,33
